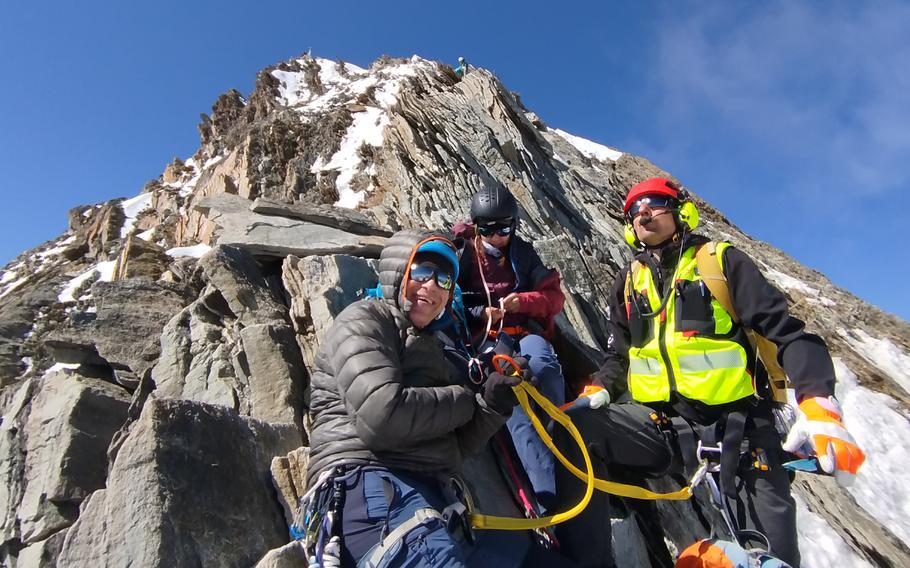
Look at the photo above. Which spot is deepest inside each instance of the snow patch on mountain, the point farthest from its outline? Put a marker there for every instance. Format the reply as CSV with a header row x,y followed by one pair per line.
x,y
366,129
12,283
57,367
60,247
368,124
819,545
588,148
293,90
890,359
881,428
188,181
101,272
787,282
132,208
195,251
343,83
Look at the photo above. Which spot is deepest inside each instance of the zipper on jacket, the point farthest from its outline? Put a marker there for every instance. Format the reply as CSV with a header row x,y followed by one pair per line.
x,y
662,334
661,342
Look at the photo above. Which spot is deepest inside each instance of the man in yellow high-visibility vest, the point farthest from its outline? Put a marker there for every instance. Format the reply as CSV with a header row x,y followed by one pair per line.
x,y
680,369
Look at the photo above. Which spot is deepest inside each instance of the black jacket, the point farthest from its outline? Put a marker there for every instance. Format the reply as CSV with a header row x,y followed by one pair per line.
x,y
384,392
759,305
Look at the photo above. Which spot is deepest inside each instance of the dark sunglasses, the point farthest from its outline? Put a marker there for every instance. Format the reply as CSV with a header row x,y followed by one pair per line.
x,y
501,230
652,201
423,272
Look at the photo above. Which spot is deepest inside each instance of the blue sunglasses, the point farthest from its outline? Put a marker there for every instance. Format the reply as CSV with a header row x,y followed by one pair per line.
x,y
652,201
422,273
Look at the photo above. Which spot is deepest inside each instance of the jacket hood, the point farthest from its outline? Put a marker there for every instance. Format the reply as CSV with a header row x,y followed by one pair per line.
x,y
396,258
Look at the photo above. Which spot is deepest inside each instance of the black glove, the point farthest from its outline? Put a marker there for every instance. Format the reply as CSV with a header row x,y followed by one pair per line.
x,y
498,394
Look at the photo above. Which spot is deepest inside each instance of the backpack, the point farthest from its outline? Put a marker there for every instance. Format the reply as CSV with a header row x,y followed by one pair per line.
x,y
714,553
709,268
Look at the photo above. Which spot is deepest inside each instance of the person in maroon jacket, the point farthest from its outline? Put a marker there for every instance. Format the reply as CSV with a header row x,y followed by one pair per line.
x,y
507,289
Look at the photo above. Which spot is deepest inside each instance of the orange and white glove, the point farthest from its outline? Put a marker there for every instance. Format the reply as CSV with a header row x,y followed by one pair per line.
x,y
820,424
598,398
592,397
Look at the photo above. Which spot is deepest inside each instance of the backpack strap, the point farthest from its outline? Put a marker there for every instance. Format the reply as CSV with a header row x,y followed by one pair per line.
x,y
709,267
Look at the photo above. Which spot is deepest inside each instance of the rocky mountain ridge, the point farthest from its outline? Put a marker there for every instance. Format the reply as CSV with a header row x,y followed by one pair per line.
x,y
154,358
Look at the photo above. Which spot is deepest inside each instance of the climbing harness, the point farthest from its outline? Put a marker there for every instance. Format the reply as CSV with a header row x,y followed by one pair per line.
x,y
317,525
716,460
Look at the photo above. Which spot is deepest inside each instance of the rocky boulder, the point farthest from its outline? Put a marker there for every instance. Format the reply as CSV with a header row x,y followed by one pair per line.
x,y
70,421
272,235
319,288
189,487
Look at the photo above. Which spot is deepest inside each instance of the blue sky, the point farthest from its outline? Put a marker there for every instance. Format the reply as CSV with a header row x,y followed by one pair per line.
x,y
791,117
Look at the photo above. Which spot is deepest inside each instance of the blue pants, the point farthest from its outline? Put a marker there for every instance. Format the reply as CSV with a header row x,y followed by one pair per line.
x,y
536,458
377,501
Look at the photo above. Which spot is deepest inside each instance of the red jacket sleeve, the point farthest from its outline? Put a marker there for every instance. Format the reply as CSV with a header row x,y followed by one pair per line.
x,y
545,301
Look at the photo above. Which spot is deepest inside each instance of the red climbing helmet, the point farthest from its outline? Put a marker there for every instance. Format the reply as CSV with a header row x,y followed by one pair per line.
x,y
653,186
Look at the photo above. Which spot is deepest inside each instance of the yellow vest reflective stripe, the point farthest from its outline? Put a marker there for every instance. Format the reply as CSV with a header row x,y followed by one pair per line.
x,y
697,359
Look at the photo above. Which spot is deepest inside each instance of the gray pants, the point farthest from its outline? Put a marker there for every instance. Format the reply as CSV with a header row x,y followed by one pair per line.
x,y
623,435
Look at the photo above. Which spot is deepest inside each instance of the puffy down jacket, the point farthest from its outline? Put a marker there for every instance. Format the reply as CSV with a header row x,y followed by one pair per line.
x,y
383,392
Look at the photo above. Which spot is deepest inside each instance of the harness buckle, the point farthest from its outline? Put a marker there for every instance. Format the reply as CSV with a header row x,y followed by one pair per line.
x,y
455,517
458,513
709,456
760,461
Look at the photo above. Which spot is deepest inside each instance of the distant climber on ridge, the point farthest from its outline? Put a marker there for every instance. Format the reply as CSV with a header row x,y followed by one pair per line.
x,y
462,69
680,367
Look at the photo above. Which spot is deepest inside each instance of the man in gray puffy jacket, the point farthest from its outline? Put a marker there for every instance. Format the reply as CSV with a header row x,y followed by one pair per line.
x,y
391,412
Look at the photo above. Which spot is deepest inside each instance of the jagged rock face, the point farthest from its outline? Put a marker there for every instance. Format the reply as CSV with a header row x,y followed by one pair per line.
x,y
56,433
320,287
195,479
155,357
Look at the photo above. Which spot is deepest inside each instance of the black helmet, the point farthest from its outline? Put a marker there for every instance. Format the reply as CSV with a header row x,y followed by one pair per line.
x,y
493,203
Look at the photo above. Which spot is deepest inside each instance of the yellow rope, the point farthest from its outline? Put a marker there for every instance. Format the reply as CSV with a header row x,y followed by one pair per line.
x,y
480,521
522,391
